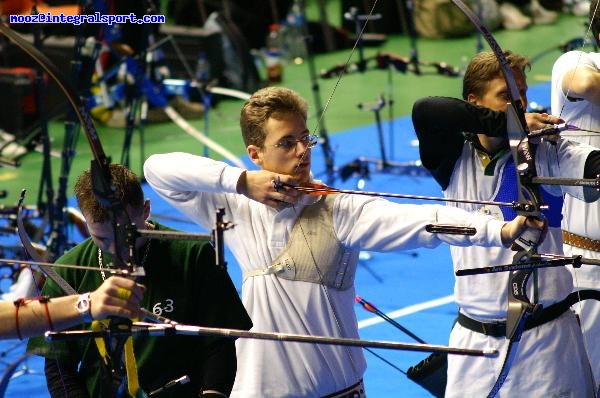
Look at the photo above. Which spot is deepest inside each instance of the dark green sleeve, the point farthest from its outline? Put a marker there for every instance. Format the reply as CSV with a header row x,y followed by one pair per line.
x,y
223,306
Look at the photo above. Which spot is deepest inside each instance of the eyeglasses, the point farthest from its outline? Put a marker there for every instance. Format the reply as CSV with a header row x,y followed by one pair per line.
x,y
289,143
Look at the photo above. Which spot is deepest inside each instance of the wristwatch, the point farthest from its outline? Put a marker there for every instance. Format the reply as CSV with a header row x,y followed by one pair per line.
x,y
84,307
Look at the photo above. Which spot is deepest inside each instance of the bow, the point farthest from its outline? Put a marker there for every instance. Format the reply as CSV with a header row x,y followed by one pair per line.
x,y
519,306
102,186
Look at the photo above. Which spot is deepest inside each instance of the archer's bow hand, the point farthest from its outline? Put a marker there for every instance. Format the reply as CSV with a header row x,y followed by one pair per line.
x,y
117,296
272,189
522,225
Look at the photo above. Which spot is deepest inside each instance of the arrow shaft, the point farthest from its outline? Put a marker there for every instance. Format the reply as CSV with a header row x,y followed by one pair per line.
x,y
169,329
330,191
115,271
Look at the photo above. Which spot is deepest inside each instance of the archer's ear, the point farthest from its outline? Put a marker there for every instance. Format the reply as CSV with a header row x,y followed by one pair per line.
x,y
471,98
255,154
146,209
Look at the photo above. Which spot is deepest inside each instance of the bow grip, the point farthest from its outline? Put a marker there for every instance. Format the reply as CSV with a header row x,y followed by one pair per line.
x,y
528,240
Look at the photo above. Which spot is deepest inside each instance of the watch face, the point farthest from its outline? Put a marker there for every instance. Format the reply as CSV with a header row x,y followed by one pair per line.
x,y
83,307
83,303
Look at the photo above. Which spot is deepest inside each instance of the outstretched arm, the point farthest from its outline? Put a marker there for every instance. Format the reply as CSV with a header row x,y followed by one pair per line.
x,y
180,178
34,318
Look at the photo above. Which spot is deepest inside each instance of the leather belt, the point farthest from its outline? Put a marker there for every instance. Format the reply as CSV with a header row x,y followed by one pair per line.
x,y
354,391
494,329
547,314
581,242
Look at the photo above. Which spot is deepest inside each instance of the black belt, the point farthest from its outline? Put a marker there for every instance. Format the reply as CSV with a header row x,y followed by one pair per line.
x,y
498,329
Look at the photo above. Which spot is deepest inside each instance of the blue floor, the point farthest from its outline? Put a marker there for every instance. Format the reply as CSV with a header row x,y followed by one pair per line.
x,y
414,288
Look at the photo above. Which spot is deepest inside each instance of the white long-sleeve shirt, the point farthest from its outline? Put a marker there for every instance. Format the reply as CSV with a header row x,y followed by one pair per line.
x,y
551,359
581,218
197,186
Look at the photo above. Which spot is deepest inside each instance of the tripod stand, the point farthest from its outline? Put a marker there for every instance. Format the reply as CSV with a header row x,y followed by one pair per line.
x,y
360,166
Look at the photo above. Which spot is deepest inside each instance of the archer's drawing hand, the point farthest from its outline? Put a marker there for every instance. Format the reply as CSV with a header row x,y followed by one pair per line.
x,y
265,187
515,228
117,296
539,121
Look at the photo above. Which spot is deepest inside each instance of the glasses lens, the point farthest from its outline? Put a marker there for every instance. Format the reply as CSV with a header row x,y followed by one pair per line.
x,y
287,144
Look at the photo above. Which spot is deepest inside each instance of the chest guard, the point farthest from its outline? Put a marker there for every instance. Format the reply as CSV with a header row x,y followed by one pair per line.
x,y
313,253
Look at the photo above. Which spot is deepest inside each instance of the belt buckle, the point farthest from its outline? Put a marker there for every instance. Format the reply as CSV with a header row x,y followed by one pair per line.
x,y
491,328
485,328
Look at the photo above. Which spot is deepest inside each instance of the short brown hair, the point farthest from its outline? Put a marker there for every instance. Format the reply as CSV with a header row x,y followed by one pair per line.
x,y
485,67
275,102
127,187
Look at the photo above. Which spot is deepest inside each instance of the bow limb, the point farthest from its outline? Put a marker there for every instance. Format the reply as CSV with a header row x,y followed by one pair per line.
x,y
516,124
102,186
202,137
62,82
33,253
